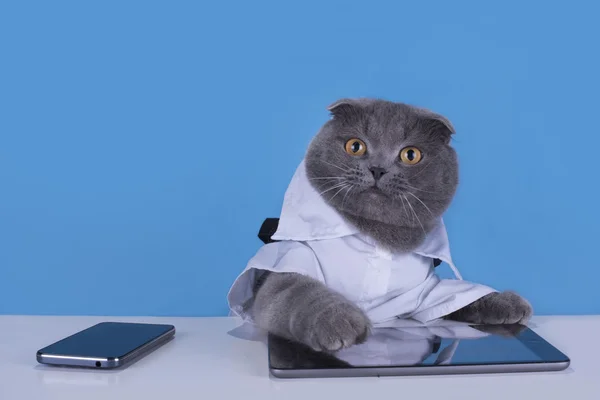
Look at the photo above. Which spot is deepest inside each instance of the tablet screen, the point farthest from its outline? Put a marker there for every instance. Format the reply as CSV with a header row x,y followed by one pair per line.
x,y
423,346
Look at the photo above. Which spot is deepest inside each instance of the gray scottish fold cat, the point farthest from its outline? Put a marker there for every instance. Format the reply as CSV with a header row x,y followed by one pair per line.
x,y
397,175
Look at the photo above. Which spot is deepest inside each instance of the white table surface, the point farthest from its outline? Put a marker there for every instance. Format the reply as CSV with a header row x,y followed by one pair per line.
x,y
205,362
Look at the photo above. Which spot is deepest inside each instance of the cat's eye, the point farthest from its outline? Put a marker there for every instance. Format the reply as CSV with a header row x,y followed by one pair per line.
x,y
356,147
410,155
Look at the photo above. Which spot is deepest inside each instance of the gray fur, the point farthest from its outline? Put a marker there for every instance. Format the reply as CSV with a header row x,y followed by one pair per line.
x,y
494,309
300,308
397,210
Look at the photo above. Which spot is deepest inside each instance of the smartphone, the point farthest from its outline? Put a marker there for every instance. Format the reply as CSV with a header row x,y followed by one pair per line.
x,y
106,345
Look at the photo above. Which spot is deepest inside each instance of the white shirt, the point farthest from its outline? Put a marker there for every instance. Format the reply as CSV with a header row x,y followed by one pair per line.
x,y
315,240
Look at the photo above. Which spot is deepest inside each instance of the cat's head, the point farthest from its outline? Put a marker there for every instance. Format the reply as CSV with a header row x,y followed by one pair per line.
x,y
385,162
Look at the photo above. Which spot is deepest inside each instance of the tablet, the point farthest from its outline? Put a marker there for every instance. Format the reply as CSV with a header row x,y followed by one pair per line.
x,y
422,350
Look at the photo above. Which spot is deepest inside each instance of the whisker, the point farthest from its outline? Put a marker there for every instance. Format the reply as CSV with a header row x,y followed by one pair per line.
x,y
412,216
338,192
337,185
346,195
420,201
403,206
344,164
326,177
336,166
416,188
324,182
416,216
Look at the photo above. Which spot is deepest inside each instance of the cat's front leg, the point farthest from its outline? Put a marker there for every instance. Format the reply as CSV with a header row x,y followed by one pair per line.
x,y
494,309
300,308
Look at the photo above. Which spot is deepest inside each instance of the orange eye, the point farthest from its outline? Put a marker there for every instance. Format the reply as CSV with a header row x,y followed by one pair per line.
x,y
356,147
410,155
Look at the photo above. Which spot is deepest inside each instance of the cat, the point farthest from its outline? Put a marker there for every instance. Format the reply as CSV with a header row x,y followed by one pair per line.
x,y
395,199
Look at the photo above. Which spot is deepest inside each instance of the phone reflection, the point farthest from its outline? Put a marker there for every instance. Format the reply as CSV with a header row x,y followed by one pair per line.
x,y
52,375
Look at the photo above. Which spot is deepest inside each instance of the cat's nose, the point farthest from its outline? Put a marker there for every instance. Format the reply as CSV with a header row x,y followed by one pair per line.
x,y
378,172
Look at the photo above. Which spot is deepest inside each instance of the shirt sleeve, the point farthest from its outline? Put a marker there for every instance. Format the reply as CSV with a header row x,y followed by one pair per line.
x,y
446,296
278,257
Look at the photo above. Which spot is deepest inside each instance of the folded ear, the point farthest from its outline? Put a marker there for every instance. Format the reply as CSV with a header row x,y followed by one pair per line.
x,y
437,124
347,107
340,103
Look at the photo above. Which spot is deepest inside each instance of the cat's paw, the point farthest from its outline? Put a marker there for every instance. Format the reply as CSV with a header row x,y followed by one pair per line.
x,y
338,326
495,309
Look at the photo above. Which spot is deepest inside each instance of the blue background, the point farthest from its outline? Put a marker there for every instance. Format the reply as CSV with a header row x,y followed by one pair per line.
x,y
142,143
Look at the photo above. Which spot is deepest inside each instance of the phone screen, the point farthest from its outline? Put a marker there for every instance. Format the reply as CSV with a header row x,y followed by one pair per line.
x,y
107,340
